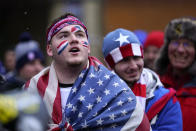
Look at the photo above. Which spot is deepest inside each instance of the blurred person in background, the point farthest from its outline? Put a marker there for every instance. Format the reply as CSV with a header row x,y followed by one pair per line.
x,y
9,62
2,69
29,60
123,53
20,110
79,92
152,46
177,66
141,35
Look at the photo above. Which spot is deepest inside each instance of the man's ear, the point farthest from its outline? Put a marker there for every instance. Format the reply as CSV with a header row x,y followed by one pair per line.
x,y
49,50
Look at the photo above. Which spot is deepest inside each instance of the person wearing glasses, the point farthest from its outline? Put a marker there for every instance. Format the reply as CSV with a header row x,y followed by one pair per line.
x,y
177,66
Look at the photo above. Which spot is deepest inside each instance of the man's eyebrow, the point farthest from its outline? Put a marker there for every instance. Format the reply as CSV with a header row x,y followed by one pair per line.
x,y
80,31
67,32
63,32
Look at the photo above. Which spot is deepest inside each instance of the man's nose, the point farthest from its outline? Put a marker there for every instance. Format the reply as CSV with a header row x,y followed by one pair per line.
x,y
73,39
180,47
151,56
132,63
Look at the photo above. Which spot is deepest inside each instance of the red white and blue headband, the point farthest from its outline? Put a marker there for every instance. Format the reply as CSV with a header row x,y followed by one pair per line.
x,y
56,27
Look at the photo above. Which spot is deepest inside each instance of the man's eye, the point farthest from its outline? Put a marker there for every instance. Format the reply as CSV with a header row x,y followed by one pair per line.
x,y
81,34
125,59
136,57
63,36
186,44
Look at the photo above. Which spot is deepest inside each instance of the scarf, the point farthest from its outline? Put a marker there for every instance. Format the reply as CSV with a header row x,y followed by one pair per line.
x,y
144,88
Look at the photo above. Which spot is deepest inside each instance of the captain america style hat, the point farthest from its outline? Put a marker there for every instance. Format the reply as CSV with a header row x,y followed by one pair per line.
x,y
119,44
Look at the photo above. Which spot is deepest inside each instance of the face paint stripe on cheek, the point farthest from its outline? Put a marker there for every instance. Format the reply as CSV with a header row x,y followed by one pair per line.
x,y
61,43
85,44
62,46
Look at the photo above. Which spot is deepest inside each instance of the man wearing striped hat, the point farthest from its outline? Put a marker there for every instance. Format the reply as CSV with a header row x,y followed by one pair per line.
x,y
79,92
123,53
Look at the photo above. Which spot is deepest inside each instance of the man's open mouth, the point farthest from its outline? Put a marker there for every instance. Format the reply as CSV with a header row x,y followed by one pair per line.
x,y
74,49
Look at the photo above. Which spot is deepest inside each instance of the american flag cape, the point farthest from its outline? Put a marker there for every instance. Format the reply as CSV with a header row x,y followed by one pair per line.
x,y
99,100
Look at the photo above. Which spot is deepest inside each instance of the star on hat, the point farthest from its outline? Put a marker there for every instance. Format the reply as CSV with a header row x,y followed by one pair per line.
x,y
122,39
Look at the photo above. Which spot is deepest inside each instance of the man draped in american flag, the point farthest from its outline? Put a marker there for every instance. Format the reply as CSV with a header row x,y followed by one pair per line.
x,y
79,92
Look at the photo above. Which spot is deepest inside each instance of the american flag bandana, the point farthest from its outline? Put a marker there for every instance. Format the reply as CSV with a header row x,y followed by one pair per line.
x,y
55,28
99,100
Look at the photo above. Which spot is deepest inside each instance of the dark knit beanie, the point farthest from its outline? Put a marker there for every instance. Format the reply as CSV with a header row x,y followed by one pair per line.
x,y
27,50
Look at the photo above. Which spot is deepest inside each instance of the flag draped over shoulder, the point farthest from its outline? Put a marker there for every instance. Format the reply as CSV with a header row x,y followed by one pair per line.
x,y
99,100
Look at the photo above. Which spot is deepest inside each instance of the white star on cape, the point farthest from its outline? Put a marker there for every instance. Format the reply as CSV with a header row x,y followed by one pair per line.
x,y
91,75
107,76
100,82
122,39
120,103
82,98
80,114
130,99
107,92
98,99
74,109
81,75
115,84
124,112
90,106
99,122
112,117
85,124
91,91
74,90
69,105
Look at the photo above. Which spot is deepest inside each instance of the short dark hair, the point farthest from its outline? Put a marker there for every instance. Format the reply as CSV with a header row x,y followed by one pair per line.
x,y
60,18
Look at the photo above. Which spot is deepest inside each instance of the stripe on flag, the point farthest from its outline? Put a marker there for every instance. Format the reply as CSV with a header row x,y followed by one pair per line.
x,y
51,93
136,49
116,55
136,119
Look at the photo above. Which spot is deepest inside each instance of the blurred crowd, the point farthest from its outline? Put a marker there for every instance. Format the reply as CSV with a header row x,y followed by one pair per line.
x,y
166,57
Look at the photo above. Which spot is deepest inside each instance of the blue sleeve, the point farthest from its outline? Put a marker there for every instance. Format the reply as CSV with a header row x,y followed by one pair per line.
x,y
170,118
